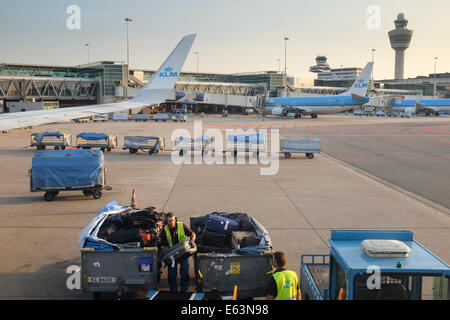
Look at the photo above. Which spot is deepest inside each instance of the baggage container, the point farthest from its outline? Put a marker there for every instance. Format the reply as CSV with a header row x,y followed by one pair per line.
x,y
255,143
218,273
148,144
220,224
304,145
220,269
67,170
88,140
56,139
112,268
119,271
203,144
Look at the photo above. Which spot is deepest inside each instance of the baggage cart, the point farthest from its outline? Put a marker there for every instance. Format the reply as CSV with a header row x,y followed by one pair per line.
x,y
56,139
204,144
111,268
161,116
249,268
67,170
178,116
148,144
304,145
88,140
141,117
255,143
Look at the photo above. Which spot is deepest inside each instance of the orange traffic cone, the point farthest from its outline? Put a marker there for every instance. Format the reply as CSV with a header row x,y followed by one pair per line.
x,y
133,200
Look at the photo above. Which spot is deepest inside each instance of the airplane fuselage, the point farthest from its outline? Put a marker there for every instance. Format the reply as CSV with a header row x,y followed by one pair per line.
x,y
436,105
315,105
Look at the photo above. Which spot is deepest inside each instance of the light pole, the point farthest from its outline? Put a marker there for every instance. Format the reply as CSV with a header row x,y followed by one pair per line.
x,y
285,62
128,20
279,68
435,62
196,53
87,44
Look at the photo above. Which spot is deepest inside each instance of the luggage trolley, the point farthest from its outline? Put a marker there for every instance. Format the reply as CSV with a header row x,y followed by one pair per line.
x,y
304,145
148,144
56,139
67,170
88,140
255,143
203,143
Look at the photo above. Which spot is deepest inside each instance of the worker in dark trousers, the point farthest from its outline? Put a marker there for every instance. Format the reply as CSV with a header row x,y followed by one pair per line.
x,y
175,232
283,285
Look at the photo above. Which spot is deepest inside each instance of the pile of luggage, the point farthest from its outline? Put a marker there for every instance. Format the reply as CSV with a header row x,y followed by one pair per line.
x,y
133,226
222,232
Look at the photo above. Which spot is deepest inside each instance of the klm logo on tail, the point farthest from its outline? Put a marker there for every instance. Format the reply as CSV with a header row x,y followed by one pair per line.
x,y
168,73
361,84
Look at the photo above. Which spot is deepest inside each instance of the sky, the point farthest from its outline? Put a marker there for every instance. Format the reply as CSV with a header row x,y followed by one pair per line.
x,y
233,36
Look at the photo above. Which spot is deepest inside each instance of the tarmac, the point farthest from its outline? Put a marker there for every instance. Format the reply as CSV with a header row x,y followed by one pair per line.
x,y
299,205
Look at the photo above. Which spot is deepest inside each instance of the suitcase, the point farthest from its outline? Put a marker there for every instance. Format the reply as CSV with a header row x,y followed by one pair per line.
x,y
220,224
125,236
178,253
215,239
243,239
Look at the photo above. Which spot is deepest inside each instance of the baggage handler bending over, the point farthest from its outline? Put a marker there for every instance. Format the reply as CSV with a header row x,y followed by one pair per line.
x,y
283,285
173,233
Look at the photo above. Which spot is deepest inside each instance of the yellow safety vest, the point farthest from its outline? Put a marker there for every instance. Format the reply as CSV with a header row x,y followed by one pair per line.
x,y
180,231
287,283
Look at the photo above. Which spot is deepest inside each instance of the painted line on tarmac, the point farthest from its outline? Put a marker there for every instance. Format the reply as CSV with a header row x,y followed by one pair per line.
x,y
436,208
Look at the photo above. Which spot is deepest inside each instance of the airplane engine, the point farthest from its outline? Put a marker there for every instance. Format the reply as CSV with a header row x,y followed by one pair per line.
x,y
278,111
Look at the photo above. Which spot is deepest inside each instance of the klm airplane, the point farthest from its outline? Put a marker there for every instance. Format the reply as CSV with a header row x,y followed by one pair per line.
x,y
352,98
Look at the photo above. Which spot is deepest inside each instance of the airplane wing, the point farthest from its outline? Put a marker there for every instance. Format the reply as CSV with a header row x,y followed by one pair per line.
x,y
157,90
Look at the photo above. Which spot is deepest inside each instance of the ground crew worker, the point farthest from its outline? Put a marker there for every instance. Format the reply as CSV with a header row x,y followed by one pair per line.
x,y
283,285
175,232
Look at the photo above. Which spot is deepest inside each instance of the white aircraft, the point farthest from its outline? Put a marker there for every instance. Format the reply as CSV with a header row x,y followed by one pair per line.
x,y
157,90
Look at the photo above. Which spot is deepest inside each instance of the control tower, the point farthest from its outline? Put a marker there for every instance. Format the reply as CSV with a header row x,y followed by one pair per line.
x,y
400,39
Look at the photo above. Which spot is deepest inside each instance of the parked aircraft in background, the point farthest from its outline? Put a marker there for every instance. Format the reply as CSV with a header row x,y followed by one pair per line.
x,y
352,98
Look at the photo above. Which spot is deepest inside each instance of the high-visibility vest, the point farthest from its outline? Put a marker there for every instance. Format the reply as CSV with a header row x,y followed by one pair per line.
x,y
180,231
287,283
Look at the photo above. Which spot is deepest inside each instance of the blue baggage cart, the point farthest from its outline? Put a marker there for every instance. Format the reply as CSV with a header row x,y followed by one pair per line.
x,y
66,170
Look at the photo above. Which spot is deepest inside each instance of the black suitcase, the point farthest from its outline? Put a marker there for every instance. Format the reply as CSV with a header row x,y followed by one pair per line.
x,y
178,253
125,236
215,239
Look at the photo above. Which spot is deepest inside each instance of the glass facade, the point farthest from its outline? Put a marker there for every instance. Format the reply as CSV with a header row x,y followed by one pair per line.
x,y
273,80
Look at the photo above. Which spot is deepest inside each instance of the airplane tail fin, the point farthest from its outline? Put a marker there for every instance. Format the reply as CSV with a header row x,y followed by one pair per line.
x,y
361,84
164,79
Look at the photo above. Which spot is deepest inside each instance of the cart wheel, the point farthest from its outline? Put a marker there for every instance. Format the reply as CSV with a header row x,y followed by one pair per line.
x,y
109,149
287,155
49,196
56,148
97,194
150,152
310,155
257,153
235,153
42,147
87,193
103,150
63,147
181,152
38,148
